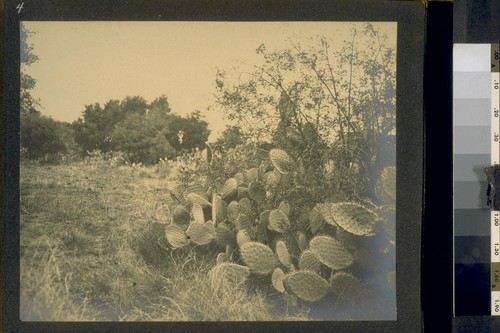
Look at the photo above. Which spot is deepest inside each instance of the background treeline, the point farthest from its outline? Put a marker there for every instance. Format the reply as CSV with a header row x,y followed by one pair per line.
x,y
140,131
144,132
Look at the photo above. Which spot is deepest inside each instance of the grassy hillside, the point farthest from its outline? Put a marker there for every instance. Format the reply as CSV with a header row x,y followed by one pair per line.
x,y
93,248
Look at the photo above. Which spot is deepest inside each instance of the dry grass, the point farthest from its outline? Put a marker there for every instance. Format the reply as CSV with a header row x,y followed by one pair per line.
x,y
92,248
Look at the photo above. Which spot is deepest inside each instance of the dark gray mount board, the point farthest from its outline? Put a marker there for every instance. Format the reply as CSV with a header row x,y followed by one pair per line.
x,y
411,18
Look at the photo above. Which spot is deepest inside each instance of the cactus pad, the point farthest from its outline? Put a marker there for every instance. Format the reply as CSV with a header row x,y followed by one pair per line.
x,y
331,253
219,210
230,273
350,241
258,257
307,285
301,239
385,188
285,207
283,254
346,286
251,175
316,220
197,213
277,279
177,194
278,221
229,190
272,178
201,233
257,191
195,198
233,210
350,216
244,222
198,189
223,235
243,192
246,206
281,161
180,216
240,178
309,261
242,237
176,236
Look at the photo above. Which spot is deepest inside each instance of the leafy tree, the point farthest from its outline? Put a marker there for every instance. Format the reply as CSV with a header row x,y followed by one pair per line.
x,y
141,139
145,132
41,136
93,130
134,104
29,104
187,133
332,109
160,106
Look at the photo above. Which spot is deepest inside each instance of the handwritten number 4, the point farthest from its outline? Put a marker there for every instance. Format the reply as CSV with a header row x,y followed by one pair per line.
x,y
20,7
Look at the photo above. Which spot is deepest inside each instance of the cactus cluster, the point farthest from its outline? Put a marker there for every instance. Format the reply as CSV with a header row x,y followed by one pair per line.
x,y
266,230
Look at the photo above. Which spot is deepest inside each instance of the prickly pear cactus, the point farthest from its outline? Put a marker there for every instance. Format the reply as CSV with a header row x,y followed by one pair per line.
x,y
281,161
176,236
346,286
278,221
258,257
229,190
257,191
277,279
242,237
224,236
350,216
330,252
307,285
251,175
385,188
246,206
309,261
201,233
283,254
316,220
180,216
350,241
301,240
285,207
195,198
272,178
177,195
197,213
219,210
233,210
244,222
268,221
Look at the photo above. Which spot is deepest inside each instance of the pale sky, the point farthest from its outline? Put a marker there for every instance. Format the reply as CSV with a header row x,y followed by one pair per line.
x,y
92,62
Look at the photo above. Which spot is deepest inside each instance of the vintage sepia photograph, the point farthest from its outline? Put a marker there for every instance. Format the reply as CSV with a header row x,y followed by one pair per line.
x,y
208,171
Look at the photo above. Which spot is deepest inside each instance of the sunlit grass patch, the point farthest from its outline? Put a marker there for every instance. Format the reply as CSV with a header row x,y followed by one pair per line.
x,y
93,247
